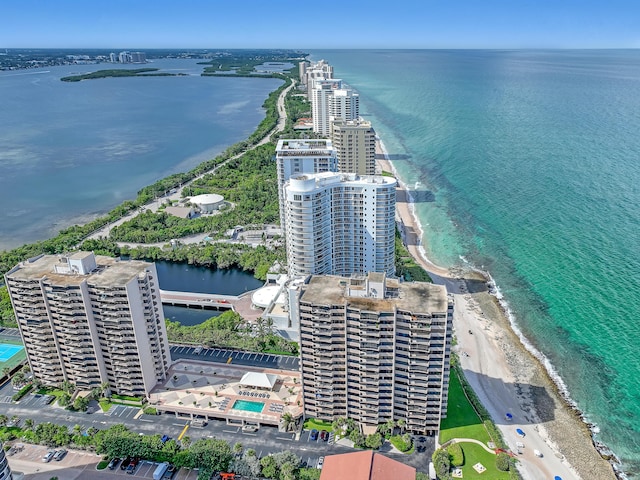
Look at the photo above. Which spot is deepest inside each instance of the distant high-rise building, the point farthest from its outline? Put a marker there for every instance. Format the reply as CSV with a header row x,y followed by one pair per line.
x,y
113,58
296,157
344,104
355,144
302,71
317,71
124,57
373,349
339,224
138,57
320,98
91,320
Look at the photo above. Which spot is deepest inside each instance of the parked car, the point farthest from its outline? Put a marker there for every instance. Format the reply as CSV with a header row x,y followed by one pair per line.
x,y
113,463
313,435
537,453
132,466
47,458
250,428
320,462
520,432
198,423
59,455
165,438
324,435
125,463
171,471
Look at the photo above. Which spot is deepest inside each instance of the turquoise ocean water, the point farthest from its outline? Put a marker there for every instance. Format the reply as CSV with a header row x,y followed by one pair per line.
x,y
528,165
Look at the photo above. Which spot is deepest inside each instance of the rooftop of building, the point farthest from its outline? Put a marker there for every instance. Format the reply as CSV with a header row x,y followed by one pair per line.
x,y
415,297
331,178
367,465
110,271
307,146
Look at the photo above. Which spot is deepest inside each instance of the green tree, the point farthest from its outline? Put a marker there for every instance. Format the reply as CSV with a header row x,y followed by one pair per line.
x,y
374,441
502,462
441,463
29,423
269,467
3,420
81,403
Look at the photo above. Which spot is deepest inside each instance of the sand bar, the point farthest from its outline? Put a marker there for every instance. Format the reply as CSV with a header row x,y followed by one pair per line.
x,y
503,373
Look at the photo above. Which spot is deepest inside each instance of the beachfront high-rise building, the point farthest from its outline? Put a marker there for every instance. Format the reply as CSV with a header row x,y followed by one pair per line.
x,y
355,144
113,58
297,157
344,104
320,97
91,319
339,224
124,57
5,470
138,57
374,349
302,71
317,71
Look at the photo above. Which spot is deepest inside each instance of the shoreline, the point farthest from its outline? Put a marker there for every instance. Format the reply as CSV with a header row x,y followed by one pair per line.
x,y
535,391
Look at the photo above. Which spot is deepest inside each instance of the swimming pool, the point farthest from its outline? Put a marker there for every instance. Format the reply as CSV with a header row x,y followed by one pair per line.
x,y
248,406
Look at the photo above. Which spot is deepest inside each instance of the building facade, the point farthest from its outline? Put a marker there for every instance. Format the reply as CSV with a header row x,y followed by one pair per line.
x,y
355,144
374,349
344,104
299,157
5,470
339,224
321,95
320,70
90,320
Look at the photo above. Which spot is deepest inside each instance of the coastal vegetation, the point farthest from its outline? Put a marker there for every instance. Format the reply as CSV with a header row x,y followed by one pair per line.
x,y
230,330
120,72
7,318
406,266
244,62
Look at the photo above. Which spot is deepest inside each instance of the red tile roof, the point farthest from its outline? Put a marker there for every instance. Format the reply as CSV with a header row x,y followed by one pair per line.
x,y
366,465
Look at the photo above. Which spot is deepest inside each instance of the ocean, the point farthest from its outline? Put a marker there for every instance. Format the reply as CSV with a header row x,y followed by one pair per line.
x,y
71,151
526,164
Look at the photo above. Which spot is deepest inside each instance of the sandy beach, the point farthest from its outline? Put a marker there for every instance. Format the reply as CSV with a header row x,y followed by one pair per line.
x,y
504,374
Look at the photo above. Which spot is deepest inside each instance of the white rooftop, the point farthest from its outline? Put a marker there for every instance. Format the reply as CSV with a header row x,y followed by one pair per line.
x,y
260,380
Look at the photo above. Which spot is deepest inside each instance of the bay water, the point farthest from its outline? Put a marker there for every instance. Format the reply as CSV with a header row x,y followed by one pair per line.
x,y
70,151
526,164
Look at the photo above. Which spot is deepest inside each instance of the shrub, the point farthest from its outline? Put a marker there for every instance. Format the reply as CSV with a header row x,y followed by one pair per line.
x,y
502,462
456,454
23,391
150,411
401,442
441,462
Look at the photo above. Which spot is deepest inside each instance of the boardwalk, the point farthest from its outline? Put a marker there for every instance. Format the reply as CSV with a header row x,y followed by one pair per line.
x,y
241,304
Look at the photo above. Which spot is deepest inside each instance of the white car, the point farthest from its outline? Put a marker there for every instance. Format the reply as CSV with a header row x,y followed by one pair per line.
x,y
49,456
537,453
320,462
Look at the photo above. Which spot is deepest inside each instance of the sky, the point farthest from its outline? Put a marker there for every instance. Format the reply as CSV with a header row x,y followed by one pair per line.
x,y
317,24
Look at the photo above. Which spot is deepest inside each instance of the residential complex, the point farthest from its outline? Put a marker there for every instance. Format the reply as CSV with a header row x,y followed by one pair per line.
x,y
296,157
375,349
339,224
344,104
91,319
355,144
321,95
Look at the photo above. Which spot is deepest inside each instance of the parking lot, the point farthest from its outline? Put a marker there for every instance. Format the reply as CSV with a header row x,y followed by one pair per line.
x,y
262,360
123,412
78,464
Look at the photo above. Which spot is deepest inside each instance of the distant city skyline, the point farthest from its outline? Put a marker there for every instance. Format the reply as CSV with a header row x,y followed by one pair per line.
x,y
142,24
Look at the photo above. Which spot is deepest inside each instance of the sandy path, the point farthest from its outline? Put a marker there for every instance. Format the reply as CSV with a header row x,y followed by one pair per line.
x,y
504,375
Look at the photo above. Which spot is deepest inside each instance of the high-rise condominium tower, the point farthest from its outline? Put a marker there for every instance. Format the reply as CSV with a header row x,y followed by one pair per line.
x,y
338,224
91,320
355,144
374,349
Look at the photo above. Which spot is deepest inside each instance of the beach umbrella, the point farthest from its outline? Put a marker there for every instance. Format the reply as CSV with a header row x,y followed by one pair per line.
x,y
557,478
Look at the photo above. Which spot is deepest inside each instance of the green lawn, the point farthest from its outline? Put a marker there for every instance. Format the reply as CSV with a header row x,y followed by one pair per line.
x,y
463,422
312,423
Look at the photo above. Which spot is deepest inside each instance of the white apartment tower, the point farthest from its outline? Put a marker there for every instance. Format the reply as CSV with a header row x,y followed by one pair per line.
x,y
355,144
297,157
317,71
321,94
344,104
91,319
339,224
374,349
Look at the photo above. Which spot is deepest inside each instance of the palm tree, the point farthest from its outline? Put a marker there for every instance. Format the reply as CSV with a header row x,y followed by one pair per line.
x,y
286,421
402,424
29,423
15,419
237,448
387,427
3,420
106,390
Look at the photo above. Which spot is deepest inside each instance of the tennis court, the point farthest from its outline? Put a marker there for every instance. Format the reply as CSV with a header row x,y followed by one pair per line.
x,y
7,351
